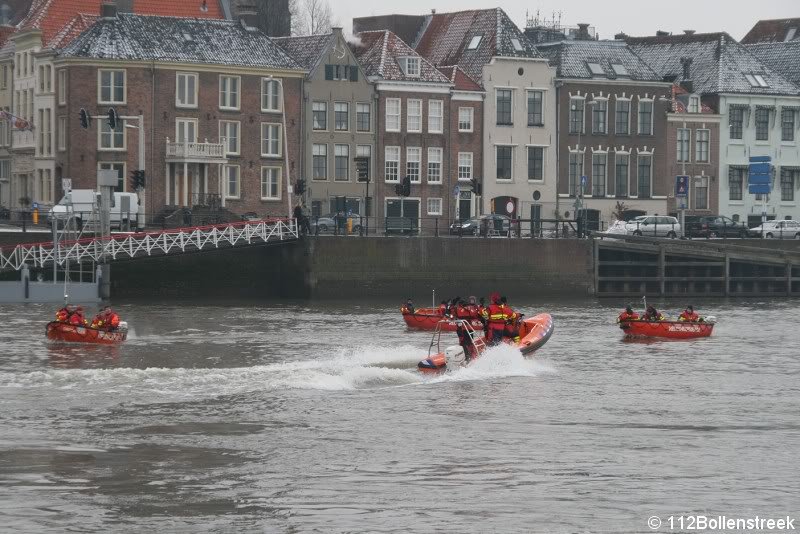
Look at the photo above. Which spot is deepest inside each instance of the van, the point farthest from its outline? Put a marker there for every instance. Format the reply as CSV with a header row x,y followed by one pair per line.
x,y
84,205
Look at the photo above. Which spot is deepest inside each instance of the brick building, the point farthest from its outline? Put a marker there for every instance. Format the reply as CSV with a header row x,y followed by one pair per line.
x,y
219,101
611,113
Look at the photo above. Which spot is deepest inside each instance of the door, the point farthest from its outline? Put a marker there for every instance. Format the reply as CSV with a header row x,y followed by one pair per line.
x,y
505,206
464,205
536,220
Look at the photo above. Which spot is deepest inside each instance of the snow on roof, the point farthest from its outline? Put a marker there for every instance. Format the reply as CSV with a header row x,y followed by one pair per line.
x,y
615,59
306,50
381,53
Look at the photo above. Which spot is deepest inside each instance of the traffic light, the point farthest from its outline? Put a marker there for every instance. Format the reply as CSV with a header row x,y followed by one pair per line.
x,y
85,118
300,187
112,118
137,180
403,189
476,186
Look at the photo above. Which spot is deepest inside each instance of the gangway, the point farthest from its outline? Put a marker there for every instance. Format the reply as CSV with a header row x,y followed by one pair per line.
x,y
145,244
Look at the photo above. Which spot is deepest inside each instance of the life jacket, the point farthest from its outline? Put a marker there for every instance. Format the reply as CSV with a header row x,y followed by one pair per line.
x,y
76,319
625,316
62,315
114,320
442,309
689,317
496,315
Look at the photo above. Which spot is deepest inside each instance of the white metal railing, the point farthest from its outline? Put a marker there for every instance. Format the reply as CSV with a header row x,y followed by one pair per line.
x,y
174,241
195,150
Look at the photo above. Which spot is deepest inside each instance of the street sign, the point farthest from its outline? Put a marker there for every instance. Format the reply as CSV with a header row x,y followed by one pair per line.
x,y
362,168
509,207
66,184
759,176
35,205
583,182
456,191
682,204
681,186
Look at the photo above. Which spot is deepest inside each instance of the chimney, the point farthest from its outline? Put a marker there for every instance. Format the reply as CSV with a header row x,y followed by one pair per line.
x,y
621,36
688,32
248,14
583,32
433,11
661,33
687,83
108,10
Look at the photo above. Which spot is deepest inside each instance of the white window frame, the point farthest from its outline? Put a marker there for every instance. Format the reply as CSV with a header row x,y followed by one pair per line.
x,y
314,150
61,132
228,194
513,155
278,179
471,113
186,104
616,113
395,151
617,156
595,109
268,94
179,122
417,158
111,88
223,134
694,104
266,127
432,115
347,111
707,131
369,108
436,200
435,155
407,62
543,148
679,143
392,116
700,182
604,155
527,105
226,97
62,86
652,116
413,102
346,156
461,164
102,129
324,104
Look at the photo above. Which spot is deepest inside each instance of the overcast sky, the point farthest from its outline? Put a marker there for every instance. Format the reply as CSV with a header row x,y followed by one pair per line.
x,y
634,17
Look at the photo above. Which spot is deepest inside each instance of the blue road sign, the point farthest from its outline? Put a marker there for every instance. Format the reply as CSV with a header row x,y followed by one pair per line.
x,y
759,175
35,205
583,181
759,189
681,186
760,159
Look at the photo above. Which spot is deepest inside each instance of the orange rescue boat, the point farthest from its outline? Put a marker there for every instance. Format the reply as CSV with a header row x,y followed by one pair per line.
x,y
429,319
69,333
668,329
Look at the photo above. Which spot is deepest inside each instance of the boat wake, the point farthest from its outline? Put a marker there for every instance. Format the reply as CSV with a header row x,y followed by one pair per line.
x,y
349,369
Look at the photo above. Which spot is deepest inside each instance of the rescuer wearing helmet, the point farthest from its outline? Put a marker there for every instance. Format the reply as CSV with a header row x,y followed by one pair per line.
x,y
689,315
628,315
495,316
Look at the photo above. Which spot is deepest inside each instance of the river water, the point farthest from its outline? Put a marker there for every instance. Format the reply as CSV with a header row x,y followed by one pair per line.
x,y
298,418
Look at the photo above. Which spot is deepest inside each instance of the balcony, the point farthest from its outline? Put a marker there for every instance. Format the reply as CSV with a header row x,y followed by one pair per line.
x,y
195,152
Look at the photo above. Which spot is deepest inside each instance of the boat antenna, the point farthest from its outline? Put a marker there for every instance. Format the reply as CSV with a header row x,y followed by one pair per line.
x,y
433,299
644,300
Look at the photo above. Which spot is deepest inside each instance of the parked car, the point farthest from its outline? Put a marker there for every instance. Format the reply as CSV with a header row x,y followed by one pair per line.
x,y
715,226
777,230
494,224
83,205
327,224
654,225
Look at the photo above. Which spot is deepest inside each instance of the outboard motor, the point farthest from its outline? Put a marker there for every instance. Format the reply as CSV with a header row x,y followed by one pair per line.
x,y
123,326
454,357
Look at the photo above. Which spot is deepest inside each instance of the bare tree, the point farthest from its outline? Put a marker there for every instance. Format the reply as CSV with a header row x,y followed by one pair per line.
x,y
310,17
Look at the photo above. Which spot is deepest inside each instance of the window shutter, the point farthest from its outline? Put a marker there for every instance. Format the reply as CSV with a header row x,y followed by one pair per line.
x,y
328,72
353,73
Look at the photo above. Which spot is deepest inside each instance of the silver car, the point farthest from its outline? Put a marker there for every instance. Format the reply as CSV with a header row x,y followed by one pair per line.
x,y
777,230
654,226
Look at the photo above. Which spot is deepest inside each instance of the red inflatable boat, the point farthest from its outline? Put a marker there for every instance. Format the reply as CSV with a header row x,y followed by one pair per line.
x,y
534,333
668,329
429,318
84,334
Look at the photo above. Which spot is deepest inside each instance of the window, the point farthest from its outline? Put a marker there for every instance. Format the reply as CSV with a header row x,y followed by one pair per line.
x,y
231,181
5,170
535,163
434,206
600,116
736,121
111,139
341,116
270,139
413,162
392,162
599,163
620,70
186,90
186,130
411,66
62,133
5,80
465,165
756,80
229,136
702,150
270,95
115,166
270,183
229,92
623,117
341,163
683,144
789,177
435,116
645,176
320,162
620,186
504,107
62,85
414,115
596,69
465,118
393,111
516,44
535,115
319,113
341,72
504,162
363,119
646,117
575,172
112,86
364,151
474,42
434,165
762,124
736,182
576,122
701,193
787,124
694,104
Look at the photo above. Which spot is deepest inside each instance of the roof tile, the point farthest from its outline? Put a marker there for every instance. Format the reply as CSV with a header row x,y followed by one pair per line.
x,y
379,53
571,58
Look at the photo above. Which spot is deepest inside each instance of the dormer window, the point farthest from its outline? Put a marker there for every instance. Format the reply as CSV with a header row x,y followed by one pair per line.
x,y
620,70
411,66
790,34
694,104
474,42
516,44
596,69
756,80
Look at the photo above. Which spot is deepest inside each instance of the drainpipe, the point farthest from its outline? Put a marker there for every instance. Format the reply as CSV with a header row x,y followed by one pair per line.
x,y
151,178
558,85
